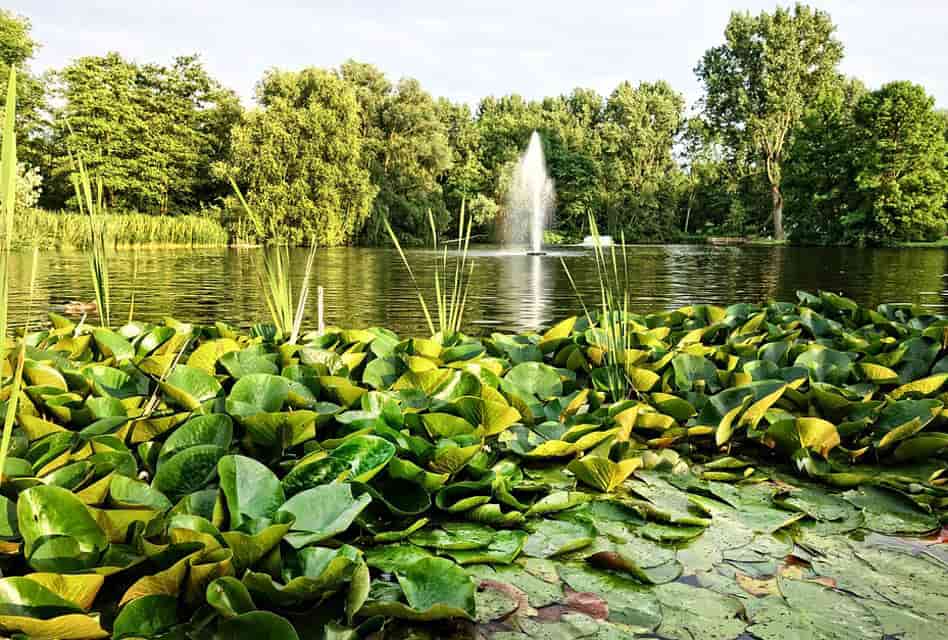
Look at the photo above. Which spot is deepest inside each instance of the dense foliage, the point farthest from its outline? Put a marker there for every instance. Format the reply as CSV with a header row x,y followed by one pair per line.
x,y
174,480
758,83
299,156
779,144
150,132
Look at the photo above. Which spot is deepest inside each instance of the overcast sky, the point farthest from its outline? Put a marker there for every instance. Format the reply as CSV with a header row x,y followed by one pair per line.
x,y
466,50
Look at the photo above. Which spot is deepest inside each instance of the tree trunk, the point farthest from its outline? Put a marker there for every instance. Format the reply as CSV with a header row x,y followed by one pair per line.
x,y
777,212
691,199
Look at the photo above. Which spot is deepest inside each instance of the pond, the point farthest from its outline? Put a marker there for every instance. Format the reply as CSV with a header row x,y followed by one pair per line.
x,y
771,472
367,286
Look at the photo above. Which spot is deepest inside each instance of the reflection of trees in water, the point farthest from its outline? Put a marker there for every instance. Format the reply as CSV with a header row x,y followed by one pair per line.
x,y
367,287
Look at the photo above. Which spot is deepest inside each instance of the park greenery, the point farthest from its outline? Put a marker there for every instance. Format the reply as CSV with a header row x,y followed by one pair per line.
x,y
773,470
780,145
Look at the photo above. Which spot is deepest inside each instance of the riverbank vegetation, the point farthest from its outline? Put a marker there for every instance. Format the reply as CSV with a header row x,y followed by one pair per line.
x,y
781,144
71,230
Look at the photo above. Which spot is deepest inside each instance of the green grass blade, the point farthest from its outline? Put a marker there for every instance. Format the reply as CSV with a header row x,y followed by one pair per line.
x,y
411,274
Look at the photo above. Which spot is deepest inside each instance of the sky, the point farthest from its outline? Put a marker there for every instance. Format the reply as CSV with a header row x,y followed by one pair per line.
x,y
467,50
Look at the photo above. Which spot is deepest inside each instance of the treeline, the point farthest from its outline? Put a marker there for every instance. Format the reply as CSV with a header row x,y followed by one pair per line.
x,y
780,145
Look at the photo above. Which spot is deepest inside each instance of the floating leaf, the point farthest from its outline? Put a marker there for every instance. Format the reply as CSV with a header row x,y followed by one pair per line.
x,y
322,512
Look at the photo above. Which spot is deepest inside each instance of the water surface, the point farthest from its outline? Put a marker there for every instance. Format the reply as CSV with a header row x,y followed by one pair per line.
x,y
509,292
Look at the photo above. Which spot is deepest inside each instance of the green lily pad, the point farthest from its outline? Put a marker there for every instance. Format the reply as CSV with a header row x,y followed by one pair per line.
x,y
810,610
59,533
252,492
890,512
554,537
322,512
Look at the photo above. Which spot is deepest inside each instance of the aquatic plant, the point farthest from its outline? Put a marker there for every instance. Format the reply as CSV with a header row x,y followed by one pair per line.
x,y
615,332
89,196
450,300
8,184
171,478
273,269
64,229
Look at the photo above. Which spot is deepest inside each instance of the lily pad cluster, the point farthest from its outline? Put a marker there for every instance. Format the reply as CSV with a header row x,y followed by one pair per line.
x,y
762,475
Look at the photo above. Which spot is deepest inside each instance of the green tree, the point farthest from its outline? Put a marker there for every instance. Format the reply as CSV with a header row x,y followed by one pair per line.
x,y
151,132
405,149
900,166
758,83
467,179
503,127
298,158
820,180
17,48
641,176
568,127
708,183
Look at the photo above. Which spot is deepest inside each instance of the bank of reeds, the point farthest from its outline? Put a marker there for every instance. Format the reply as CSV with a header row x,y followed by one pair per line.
x,y
61,229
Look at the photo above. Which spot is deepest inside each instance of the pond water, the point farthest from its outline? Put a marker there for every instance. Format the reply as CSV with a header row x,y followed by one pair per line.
x,y
509,292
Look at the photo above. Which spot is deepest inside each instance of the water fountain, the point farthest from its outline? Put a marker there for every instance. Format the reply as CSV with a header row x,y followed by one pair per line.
x,y
530,202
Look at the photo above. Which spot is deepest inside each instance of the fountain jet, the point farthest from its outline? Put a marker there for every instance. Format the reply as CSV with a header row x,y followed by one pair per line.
x,y
530,202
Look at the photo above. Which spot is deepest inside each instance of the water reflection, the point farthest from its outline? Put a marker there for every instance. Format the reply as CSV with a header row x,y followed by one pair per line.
x,y
509,291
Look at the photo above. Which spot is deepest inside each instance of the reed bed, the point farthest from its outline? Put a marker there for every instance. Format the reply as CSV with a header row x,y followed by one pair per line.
x,y
62,229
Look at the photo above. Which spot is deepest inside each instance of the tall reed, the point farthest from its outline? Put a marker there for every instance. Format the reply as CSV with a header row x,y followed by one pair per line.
x,y
66,229
451,300
612,269
8,196
273,271
89,196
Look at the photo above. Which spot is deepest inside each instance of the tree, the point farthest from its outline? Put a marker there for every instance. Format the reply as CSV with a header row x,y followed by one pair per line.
x,y
17,48
298,158
405,149
759,81
820,180
640,127
899,166
150,132
708,181
504,126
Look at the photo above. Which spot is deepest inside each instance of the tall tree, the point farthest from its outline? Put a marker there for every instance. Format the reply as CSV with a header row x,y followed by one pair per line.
x,y
759,81
17,48
298,158
900,166
820,175
151,132
640,129
406,150
708,182
467,179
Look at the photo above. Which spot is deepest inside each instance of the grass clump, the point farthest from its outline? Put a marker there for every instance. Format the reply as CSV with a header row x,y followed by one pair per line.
x,y
273,269
452,277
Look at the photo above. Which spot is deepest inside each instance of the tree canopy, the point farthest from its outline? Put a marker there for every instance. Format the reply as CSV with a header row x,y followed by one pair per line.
x,y
758,82
299,158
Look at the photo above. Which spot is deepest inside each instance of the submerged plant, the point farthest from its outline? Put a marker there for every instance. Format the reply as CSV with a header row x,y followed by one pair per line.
x,y
273,271
452,279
